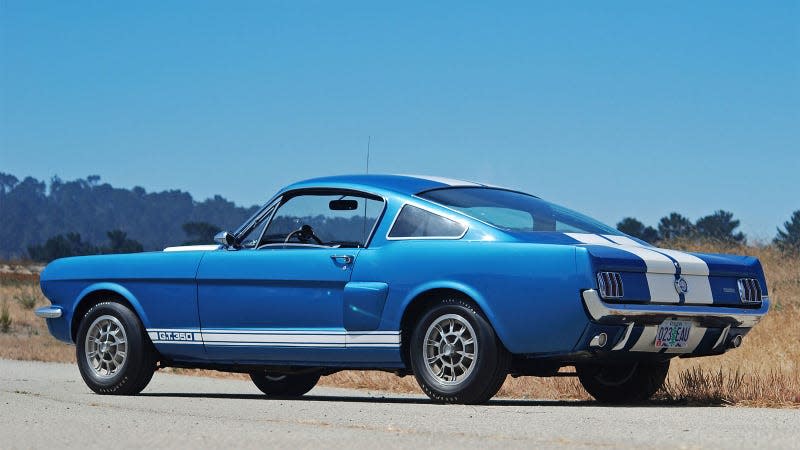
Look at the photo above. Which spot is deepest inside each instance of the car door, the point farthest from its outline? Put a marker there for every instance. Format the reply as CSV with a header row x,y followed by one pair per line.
x,y
280,298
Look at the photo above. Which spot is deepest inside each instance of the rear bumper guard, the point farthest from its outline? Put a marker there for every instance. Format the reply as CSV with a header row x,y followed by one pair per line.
x,y
623,313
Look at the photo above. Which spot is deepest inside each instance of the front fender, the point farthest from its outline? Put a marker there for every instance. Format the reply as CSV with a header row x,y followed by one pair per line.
x,y
109,287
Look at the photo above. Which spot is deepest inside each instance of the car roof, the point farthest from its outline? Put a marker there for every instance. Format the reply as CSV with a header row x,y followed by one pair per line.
x,y
403,184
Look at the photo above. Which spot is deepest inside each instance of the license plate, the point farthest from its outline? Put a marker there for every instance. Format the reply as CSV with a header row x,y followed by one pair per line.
x,y
673,334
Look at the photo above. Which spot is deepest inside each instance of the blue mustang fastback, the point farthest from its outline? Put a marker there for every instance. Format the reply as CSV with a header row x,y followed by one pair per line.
x,y
457,283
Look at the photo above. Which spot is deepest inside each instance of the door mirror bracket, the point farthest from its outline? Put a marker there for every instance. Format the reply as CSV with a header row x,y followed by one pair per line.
x,y
225,238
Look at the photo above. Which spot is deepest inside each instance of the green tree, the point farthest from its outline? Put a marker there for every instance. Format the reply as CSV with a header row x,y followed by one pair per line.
x,y
675,226
633,227
788,239
719,226
119,243
200,232
61,246
7,182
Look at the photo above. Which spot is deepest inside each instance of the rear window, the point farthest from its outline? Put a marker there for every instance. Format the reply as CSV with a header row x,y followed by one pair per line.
x,y
413,222
515,211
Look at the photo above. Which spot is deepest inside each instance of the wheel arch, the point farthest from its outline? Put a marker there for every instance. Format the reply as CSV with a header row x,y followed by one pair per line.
x,y
418,301
101,292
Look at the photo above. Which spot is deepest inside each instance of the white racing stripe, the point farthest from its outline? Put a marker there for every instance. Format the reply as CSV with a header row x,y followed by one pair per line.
x,y
660,268
443,180
690,264
655,262
647,340
662,288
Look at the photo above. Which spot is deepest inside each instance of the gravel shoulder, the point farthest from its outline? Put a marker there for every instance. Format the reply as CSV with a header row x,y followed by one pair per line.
x,y
46,404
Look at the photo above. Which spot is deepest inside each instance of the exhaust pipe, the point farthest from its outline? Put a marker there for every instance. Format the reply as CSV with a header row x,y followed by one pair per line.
x,y
599,341
735,341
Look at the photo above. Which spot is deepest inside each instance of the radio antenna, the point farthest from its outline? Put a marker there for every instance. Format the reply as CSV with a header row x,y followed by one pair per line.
x,y
369,141
364,227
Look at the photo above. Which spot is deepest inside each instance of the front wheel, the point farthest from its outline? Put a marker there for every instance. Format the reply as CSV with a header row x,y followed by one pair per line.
x,y
623,383
114,356
456,356
284,385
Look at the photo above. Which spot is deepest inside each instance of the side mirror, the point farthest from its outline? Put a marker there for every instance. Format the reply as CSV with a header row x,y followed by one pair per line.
x,y
224,238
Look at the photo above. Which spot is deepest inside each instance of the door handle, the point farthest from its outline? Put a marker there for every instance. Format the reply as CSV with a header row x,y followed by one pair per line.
x,y
342,259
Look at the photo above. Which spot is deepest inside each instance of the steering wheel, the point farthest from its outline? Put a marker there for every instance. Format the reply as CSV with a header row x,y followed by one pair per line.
x,y
303,234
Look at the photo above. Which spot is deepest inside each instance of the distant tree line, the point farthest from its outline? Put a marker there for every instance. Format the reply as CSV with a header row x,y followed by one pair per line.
x,y
84,211
70,218
719,226
71,244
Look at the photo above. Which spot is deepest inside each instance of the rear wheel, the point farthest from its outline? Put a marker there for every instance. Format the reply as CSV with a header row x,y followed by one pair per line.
x,y
284,385
456,356
623,383
113,354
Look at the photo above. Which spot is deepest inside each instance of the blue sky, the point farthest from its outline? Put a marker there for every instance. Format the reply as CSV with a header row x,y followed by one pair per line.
x,y
612,108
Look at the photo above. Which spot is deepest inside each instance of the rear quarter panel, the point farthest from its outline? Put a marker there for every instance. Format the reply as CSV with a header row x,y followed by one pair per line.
x,y
529,292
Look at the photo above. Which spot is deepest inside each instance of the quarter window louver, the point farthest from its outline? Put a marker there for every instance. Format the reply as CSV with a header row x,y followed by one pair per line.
x,y
610,285
749,290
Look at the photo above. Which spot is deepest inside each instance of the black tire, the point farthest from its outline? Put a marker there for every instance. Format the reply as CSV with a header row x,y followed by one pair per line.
x,y
284,386
484,374
135,371
623,383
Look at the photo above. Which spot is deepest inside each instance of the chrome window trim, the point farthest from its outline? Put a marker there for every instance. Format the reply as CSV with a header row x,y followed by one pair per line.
x,y
267,218
425,238
257,218
365,194
462,213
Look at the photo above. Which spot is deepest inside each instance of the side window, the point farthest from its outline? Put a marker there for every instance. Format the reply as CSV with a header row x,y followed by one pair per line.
x,y
337,220
413,222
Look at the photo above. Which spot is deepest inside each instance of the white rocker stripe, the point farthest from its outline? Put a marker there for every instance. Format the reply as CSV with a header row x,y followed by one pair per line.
x,y
265,338
271,344
276,338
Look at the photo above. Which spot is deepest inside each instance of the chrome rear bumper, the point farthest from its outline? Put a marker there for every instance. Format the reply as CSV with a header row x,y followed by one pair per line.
x,y
49,312
737,317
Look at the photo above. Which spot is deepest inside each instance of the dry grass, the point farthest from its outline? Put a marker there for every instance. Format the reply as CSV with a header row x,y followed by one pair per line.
x,y
764,371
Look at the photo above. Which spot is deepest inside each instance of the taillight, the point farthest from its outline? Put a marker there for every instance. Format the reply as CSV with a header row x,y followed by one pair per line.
x,y
749,290
610,285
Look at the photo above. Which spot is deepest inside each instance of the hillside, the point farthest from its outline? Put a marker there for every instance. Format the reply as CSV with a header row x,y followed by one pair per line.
x,y
31,211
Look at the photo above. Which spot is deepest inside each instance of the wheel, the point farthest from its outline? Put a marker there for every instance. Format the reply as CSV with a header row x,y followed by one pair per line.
x,y
280,385
114,355
456,356
623,383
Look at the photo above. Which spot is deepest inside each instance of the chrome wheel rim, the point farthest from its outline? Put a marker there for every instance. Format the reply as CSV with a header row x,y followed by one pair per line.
x,y
451,349
106,346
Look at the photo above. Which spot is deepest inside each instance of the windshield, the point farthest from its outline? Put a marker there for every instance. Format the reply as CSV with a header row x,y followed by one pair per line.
x,y
515,211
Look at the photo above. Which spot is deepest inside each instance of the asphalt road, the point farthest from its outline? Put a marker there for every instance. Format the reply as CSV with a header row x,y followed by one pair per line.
x,y
47,405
